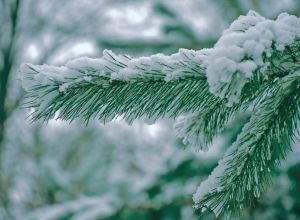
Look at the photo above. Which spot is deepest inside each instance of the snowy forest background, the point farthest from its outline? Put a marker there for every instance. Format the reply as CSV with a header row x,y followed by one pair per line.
x,y
69,171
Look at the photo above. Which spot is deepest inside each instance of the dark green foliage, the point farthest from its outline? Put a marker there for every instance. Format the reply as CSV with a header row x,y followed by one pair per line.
x,y
293,174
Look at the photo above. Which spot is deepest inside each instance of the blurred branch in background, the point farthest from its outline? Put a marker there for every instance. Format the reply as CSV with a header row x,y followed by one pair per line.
x,y
177,34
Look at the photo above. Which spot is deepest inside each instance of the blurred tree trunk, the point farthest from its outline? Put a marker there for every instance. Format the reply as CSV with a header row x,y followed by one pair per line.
x,y
10,17
8,57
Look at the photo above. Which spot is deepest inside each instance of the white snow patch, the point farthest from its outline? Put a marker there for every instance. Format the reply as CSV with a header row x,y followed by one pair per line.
x,y
248,37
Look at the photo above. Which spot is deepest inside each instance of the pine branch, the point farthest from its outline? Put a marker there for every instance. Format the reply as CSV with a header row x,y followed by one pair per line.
x,y
105,94
254,64
198,129
249,162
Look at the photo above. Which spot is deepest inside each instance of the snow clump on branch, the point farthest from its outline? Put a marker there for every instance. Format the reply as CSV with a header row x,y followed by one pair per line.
x,y
243,51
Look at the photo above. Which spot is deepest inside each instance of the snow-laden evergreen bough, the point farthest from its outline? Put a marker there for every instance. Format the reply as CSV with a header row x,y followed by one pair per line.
x,y
255,64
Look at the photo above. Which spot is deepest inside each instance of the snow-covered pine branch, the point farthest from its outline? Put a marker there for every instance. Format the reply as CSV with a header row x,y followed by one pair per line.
x,y
117,86
254,64
245,168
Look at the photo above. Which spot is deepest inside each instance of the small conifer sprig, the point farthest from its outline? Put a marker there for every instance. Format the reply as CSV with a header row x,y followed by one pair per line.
x,y
255,64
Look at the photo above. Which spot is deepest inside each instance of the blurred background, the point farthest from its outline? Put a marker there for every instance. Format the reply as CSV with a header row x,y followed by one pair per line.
x,y
61,171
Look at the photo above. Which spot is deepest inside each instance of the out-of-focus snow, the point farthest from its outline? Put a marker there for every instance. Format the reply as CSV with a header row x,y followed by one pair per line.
x,y
91,208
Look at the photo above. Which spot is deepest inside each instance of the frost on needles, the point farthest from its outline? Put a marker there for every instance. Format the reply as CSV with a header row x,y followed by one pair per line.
x,y
254,64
